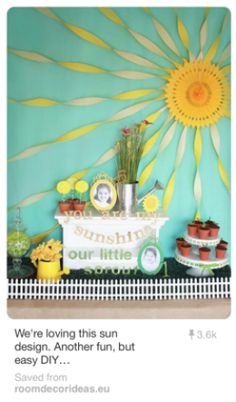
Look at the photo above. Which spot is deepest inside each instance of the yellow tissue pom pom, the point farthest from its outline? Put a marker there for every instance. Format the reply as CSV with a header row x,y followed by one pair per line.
x,y
81,186
63,187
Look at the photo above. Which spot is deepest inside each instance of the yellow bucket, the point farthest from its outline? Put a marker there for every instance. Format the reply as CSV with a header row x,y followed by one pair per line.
x,y
50,270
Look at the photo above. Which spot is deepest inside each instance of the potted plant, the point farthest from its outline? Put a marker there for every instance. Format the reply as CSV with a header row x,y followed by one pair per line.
x,y
185,249
198,223
223,243
63,188
81,187
179,242
129,151
214,230
204,253
192,229
203,231
220,251
46,258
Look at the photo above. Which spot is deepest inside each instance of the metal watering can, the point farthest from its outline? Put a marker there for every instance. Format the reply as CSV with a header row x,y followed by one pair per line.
x,y
127,195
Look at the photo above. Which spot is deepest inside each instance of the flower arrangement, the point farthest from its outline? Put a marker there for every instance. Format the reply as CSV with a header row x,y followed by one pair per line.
x,y
129,151
48,252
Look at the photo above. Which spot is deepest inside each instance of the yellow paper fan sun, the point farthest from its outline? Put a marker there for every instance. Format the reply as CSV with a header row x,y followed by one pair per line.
x,y
197,94
150,203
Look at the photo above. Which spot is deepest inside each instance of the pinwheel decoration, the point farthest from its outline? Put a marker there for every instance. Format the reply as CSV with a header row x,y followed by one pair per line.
x,y
190,91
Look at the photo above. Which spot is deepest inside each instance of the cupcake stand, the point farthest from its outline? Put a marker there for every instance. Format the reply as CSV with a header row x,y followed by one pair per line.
x,y
198,267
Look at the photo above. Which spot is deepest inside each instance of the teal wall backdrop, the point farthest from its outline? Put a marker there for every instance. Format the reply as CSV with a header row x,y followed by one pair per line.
x,y
58,57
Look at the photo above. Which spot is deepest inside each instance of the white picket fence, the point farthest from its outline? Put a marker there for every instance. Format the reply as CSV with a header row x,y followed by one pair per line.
x,y
115,289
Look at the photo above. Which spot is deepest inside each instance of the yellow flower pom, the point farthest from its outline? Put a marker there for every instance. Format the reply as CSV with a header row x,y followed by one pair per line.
x,y
63,187
150,203
81,186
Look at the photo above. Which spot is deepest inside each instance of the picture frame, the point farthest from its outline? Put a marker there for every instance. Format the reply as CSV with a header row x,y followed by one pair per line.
x,y
103,194
150,258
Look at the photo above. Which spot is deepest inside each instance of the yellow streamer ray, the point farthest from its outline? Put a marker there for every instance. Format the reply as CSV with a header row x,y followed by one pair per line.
x,y
223,174
212,50
28,152
39,102
32,199
216,144
148,44
74,66
197,189
77,176
141,61
151,141
197,180
225,54
72,179
85,101
203,34
165,36
134,94
168,194
183,33
41,236
197,216
90,37
32,56
86,35
71,135
129,111
49,13
146,172
198,146
167,138
133,75
107,156
111,15
84,68
153,116
45,102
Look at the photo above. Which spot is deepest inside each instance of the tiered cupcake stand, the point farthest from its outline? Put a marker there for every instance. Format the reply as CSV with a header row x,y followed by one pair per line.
x,y
200,268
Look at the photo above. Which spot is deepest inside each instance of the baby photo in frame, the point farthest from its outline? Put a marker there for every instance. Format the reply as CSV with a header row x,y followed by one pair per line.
x,y
103,195
150,258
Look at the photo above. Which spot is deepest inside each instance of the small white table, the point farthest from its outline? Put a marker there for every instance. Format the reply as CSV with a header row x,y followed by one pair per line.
x,y
93,241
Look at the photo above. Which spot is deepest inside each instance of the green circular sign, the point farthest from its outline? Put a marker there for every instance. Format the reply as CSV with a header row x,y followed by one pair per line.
x,y
150,258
